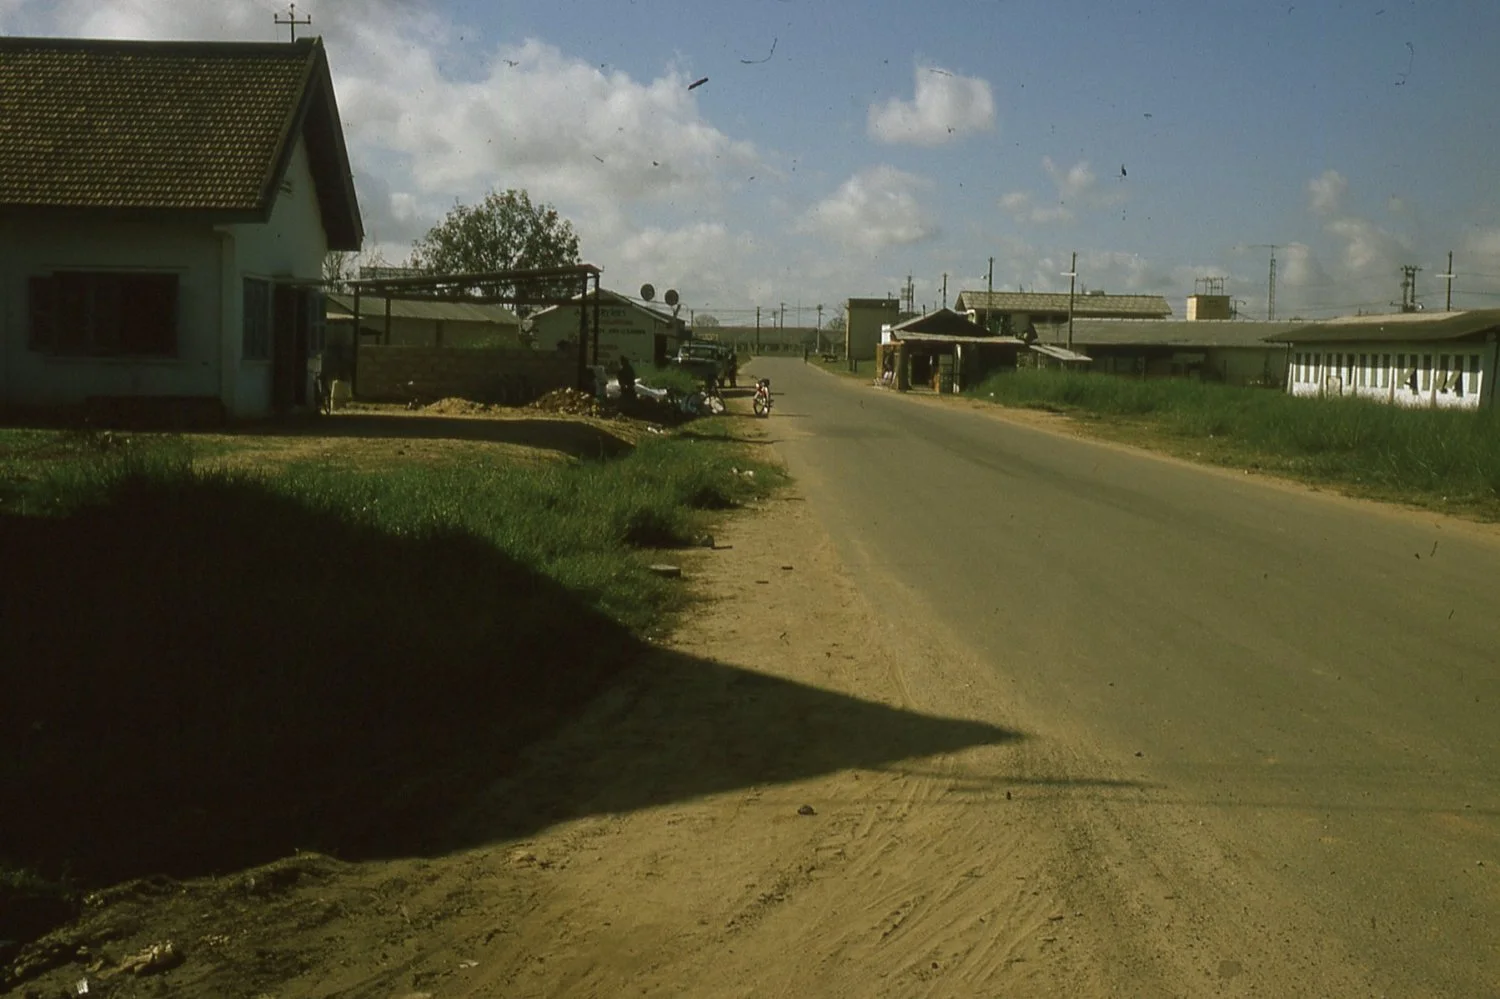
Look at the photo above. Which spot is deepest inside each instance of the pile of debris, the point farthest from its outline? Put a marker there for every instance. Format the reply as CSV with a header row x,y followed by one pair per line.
x,y
454,406
571,401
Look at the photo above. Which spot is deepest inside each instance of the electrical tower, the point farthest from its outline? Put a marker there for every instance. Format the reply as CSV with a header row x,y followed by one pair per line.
x,y
1409,287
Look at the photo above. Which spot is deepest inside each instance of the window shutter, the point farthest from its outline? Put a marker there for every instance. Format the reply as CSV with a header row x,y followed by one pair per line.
x,y
41,301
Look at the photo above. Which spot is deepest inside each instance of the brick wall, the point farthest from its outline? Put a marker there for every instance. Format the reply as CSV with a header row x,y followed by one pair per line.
x,y
501,376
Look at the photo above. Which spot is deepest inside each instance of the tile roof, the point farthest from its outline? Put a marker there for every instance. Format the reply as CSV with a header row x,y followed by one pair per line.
x,y
1086,304
1167,332
1403,326
204,127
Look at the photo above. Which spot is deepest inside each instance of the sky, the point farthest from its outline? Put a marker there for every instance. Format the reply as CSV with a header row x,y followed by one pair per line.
x,y
838,148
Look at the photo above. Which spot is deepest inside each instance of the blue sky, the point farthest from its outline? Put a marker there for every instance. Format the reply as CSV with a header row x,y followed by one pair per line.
x,y
886,139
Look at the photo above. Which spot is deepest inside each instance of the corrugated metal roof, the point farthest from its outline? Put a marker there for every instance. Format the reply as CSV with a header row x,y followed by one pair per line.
x,y
993,341
1404,326
605,295
1061,353
1167,332
1136,306
941,321
373,309
203,127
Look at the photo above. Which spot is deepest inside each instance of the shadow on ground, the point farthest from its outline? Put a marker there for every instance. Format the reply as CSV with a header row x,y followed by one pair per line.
x,y
200,678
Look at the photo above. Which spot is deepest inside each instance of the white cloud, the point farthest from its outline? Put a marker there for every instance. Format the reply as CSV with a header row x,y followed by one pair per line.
x,y
946,107
873,210
562,128
1367,248
1077,190
1076,182
1325,192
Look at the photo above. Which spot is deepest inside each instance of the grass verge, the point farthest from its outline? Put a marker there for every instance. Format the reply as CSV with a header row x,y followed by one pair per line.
x,y
1444,459
209,669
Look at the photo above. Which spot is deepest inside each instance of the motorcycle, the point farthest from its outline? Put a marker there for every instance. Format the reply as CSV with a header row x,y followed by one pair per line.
x,y
762,400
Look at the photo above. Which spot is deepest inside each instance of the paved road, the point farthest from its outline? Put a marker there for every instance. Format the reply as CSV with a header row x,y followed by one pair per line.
x,y
1314,682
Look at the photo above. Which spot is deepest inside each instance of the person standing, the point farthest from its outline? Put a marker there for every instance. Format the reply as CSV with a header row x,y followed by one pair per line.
x,y
627,381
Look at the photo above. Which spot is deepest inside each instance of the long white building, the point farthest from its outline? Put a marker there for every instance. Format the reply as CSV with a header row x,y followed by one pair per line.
x,y
1436,359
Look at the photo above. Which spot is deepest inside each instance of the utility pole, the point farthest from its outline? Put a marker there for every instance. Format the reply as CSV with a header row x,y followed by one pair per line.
x,y
1072,277
989,291
757,329
945,289
1448,305
818,336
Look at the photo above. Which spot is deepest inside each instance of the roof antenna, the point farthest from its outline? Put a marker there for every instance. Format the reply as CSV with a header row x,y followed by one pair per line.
x,y
291,19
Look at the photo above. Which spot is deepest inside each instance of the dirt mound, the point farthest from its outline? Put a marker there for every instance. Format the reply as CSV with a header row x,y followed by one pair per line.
x,y
571,401
454,406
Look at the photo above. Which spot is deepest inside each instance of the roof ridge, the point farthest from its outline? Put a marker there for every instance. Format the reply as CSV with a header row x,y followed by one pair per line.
x,y
174,46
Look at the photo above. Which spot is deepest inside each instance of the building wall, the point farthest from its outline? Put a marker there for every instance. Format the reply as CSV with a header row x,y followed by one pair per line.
x,y
1209,307
1248,365
407,332
1231,365
397,374
862,327
623,331
1446,375
289,247
31,248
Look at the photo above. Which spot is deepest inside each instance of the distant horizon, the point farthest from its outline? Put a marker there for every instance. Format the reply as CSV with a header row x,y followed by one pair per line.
x,y
835,149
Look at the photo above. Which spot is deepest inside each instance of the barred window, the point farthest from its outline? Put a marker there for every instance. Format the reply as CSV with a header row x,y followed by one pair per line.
x,y
103,314
255,338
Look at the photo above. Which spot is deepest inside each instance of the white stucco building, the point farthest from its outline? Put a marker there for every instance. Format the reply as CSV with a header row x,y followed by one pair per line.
x,y
165,208
1437,359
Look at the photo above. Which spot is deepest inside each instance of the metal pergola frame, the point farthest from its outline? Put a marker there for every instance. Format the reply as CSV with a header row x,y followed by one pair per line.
x,y
543,286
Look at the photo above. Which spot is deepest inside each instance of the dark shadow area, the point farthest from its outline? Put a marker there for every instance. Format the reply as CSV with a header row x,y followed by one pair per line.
x,y
573,437
204,676
680,727
693,435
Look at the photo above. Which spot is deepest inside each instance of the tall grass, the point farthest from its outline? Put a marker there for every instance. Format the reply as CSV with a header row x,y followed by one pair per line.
x,y
1422,454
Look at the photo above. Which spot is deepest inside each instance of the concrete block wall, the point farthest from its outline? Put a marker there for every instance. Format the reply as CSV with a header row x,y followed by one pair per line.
x,y
399,373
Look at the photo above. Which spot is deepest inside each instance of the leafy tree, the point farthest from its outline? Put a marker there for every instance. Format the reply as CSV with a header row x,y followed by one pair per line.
x,y
505,231
706,321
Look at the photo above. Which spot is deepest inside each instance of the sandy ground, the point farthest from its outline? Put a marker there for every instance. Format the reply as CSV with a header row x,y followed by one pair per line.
x,y
793,798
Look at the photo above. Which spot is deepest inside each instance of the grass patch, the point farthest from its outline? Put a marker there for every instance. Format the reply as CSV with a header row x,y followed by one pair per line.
x,y
671,376
1443,458
206,669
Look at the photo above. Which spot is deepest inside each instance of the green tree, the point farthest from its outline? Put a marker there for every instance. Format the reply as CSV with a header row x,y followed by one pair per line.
x,y
505,231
